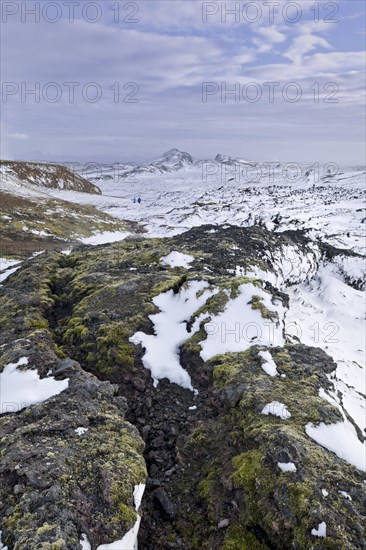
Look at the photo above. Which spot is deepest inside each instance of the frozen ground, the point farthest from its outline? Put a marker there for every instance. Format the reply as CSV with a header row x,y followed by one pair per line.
x,y
162,348
211,192
332,205
327,300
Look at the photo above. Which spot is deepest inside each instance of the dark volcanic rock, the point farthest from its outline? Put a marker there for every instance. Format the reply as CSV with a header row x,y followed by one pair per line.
x,y
169,509
212,458
55,483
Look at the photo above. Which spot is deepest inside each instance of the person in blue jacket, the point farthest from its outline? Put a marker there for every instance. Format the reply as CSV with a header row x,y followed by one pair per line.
x,y
139,200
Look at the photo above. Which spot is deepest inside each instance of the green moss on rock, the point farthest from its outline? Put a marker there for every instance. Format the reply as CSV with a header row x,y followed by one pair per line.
x,y
238,538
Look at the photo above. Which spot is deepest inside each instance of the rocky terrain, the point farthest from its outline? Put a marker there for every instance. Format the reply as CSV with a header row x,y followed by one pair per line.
x,y
179,192
52,176
32,220
173,363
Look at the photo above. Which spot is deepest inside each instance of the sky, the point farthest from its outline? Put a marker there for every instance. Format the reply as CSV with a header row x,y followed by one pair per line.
x,y
114,81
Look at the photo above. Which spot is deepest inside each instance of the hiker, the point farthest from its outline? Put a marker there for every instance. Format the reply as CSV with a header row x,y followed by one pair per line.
x,y
134,200
139,200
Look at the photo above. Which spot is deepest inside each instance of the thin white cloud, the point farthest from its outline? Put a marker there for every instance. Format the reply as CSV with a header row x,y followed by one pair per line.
x,y
18,136
304,44
271,34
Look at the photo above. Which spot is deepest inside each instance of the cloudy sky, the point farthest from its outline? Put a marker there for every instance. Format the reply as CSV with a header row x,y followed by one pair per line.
x,y
125,81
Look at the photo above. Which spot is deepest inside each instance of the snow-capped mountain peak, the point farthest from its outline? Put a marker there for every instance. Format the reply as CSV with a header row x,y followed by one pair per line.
x,y
175,158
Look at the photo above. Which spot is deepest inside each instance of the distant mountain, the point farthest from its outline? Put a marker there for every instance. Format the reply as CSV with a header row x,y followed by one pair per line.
x,y
171,161
227,169
175,159
225,159
52,176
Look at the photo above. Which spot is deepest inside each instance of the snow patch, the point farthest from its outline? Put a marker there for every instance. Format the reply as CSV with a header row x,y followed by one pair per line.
x,y
239,271
321,531
22,388
6,264
240,326
177,259
105,237
295,266
276,409
287,466
269,366
81,431
170,324
327,313
351,267
7,267
85,544
8,272
39,233
341,439
138,493
129,541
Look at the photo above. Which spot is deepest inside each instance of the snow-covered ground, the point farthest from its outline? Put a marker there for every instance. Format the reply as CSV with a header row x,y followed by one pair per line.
x,y
22,388
176,202
240,326
212,192
105,237
7,267
325,311
177,259
162,348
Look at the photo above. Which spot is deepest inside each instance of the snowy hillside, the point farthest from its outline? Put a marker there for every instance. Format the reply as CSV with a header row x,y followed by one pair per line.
x,y
47,175
32,220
